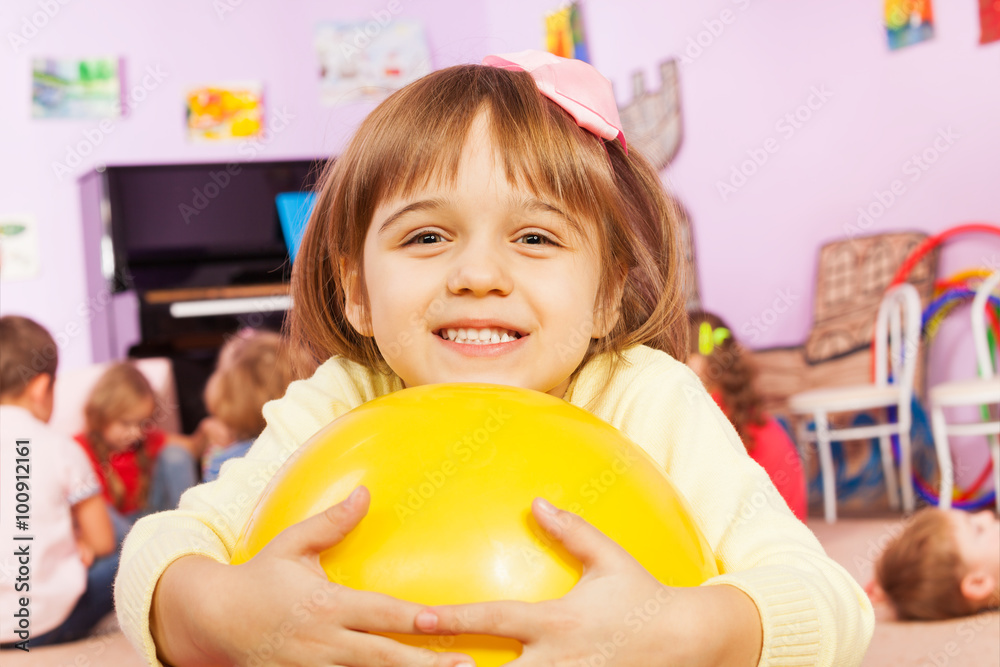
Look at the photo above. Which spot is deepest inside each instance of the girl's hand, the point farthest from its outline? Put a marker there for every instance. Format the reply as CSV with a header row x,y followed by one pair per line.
x,y
279,608
617,614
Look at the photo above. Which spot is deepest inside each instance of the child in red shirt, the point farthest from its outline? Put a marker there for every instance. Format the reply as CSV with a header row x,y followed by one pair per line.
x,y
142,470
727,373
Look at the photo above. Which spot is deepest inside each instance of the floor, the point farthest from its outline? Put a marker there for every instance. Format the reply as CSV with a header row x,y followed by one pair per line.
x,y
853,542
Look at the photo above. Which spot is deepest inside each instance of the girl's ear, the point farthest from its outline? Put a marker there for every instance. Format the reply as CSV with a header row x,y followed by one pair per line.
x,y
354,308
605,318
978,586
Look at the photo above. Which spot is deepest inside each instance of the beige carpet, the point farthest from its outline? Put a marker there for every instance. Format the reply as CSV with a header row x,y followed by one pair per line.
x,y
854,543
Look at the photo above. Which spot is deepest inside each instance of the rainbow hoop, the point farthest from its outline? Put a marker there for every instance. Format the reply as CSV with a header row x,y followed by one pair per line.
x,y
949,293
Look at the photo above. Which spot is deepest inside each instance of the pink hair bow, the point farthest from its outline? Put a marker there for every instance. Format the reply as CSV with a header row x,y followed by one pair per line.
x,y
572,84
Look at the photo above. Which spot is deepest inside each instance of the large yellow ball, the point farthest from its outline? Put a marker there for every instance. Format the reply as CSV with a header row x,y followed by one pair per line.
x,y
452,471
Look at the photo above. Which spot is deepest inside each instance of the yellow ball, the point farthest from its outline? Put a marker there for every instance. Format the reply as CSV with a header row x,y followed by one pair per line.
x,y
452,471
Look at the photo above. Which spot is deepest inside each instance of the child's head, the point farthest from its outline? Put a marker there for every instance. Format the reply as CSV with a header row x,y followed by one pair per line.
x,y
120,407
468,201
254,368
720,362
945,563
28,361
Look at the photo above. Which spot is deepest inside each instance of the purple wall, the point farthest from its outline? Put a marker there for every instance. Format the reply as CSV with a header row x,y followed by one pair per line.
x,y
762,240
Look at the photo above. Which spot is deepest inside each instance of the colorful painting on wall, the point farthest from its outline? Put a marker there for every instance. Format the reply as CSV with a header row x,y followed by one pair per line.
x,y
564,34
989,21
18,248
908,22
75,88
366,61
225,112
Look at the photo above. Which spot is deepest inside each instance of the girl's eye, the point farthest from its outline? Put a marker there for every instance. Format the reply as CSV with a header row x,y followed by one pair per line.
x,y
536,239
424,238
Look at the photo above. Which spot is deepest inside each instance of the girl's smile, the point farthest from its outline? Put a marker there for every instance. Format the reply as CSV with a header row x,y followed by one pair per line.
x,y
479,280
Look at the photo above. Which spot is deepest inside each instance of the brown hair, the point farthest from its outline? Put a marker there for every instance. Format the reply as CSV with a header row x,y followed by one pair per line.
x,y
120,387
253,369
418,134
921,570
27,350
732,373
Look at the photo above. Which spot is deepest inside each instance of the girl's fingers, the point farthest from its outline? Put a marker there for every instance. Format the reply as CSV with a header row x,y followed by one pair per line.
x,y
588,544
322,531
375,612
375,650
507,618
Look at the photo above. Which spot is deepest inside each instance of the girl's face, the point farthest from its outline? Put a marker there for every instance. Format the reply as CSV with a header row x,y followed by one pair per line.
x,y
480,281
125,431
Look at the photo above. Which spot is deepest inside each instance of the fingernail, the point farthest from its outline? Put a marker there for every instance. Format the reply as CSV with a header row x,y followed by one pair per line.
x,y
353,498
427,620
546,506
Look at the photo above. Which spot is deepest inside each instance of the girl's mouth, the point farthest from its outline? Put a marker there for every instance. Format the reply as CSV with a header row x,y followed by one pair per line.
x,y
478,336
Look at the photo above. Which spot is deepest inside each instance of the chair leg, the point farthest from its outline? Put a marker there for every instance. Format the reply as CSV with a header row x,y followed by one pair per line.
x,y
889,470
943,448
826,467
906,469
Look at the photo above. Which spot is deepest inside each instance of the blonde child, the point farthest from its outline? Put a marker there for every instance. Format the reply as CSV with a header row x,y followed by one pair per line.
x,y
729,376
486,224
142,469
945,564
254,367
56,585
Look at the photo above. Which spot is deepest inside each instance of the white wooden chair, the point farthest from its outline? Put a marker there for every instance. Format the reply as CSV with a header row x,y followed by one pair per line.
x,y
981,391
897,346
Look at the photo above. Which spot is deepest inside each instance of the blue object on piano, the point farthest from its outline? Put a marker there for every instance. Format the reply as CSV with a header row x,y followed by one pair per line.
x,y
294,209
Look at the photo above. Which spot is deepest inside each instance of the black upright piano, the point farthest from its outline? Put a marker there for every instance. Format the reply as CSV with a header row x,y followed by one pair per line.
x,y
180,257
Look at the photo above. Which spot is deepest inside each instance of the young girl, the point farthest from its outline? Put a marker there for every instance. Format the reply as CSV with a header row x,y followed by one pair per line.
x,y
729,375
486,224
944,564
254,367
140,469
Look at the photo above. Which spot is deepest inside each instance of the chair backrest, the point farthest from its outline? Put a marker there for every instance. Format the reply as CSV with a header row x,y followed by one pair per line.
x,y
899,322
979,304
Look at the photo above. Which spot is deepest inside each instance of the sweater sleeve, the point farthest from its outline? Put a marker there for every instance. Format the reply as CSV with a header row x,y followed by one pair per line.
x,y
812,611
210,516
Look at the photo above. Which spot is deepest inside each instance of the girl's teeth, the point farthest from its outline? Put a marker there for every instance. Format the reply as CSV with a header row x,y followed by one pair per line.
x,y
477,336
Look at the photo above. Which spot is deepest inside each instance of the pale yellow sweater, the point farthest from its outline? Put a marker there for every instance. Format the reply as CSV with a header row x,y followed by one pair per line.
x,y
813,612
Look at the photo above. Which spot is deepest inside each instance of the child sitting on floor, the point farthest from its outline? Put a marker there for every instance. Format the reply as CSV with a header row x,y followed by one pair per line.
x,y
945,563
728,374
141,468
253,368
51,496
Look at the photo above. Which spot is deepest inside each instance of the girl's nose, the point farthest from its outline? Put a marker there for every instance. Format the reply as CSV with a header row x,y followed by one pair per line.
x,y
480,270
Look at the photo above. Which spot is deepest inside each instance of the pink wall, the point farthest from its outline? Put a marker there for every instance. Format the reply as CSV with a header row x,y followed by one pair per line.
x,y
761,241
